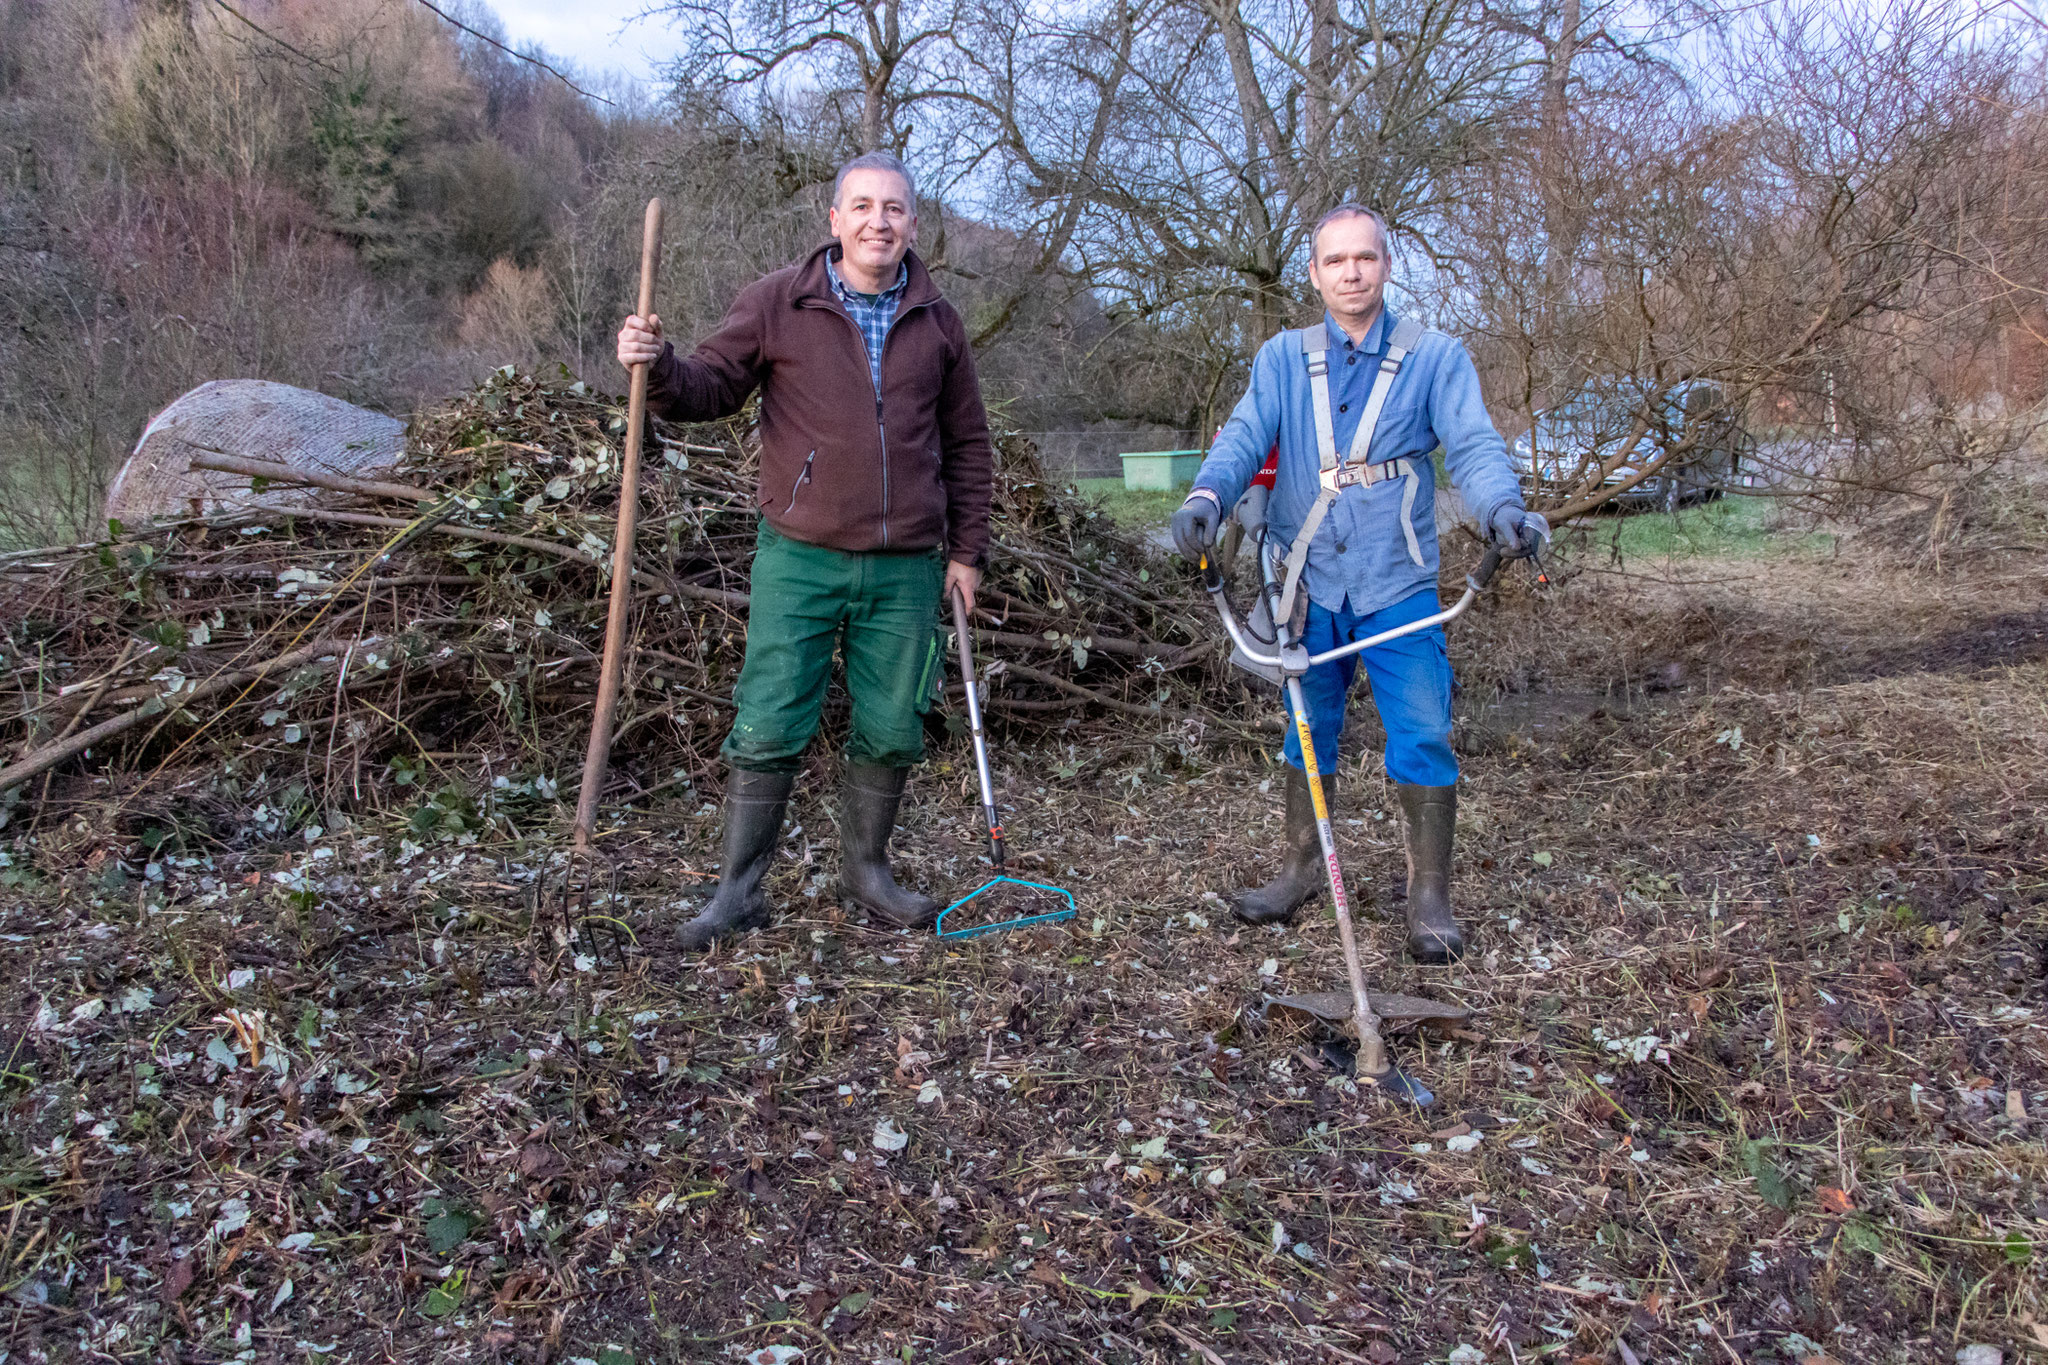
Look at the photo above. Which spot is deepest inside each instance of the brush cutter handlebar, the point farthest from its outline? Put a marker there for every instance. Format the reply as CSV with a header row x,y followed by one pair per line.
x,y
1294,660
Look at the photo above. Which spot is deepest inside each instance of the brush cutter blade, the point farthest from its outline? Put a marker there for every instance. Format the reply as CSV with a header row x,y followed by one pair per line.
x,y
1043,905
1402,1086
1338,1052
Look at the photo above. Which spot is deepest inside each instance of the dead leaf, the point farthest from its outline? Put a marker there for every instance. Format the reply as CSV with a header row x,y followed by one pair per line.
x,y
1455,1130
521,1285
539,1161
178,1279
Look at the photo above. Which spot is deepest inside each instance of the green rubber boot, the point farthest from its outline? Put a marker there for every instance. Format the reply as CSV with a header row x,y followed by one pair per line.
x,y
754,803
1430,817
1303,875
868,801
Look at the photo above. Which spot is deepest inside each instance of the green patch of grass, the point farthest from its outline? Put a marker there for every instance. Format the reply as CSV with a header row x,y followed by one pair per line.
x,y
1131,508
1733,527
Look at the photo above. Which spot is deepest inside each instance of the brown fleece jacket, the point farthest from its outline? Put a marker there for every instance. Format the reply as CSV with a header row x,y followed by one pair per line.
x,y
909,468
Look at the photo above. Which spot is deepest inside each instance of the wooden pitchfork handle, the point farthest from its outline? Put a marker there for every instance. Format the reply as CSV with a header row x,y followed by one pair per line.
x,y
597,757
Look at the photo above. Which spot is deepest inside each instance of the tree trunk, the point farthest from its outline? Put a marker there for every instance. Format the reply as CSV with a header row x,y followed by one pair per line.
x,y
1559,235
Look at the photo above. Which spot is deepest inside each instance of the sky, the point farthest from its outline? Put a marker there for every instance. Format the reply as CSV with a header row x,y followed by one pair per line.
x,y
597,36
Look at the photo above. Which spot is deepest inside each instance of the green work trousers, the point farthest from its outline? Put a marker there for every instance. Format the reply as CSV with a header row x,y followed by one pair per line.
x,y
880,609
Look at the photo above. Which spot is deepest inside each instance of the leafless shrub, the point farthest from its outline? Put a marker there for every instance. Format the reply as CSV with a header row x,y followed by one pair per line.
x,y
510,317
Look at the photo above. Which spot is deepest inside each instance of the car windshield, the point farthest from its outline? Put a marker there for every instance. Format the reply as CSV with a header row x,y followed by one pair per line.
x,y
1605,416
1610,415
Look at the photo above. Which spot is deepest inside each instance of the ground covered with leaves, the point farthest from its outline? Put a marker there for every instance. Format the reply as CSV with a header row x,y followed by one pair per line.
x,y
1754,858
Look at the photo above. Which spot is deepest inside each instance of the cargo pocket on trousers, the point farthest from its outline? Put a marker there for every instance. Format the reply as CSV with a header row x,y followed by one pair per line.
x,y
931,680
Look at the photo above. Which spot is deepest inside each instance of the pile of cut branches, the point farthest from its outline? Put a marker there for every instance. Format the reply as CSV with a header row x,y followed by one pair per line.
x,y
345,630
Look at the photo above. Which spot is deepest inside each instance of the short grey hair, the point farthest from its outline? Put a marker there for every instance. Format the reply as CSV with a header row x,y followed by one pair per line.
x,y
875,161
1349,209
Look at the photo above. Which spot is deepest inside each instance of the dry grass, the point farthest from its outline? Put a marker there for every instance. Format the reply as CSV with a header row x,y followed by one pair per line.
x,y
1761,974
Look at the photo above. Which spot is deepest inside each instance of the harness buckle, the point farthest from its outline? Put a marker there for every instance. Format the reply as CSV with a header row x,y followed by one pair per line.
x,y
1368,475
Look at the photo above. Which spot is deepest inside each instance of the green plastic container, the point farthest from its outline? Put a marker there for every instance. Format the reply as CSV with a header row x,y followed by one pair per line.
x,y
1161,470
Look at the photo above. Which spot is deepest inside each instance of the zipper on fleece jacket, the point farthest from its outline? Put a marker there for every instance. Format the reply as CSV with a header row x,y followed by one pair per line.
x,y
803,477
860,343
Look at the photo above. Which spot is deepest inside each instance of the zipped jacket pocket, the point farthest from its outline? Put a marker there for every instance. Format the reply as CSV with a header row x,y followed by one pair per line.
x,y
803,477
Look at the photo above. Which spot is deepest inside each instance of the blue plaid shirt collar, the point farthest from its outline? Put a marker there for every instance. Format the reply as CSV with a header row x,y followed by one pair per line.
x,y
873,318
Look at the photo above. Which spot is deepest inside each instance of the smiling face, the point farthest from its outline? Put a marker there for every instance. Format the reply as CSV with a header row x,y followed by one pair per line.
x,y
875,225
1350,270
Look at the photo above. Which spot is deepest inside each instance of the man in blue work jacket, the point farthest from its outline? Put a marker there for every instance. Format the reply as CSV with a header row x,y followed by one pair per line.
x,y
1362,545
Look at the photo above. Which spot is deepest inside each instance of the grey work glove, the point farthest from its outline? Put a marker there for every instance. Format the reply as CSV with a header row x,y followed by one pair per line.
x,y
1194,527
1517,532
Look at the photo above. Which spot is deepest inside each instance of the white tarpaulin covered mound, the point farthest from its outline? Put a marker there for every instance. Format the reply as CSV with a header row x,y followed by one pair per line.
x,y
255,420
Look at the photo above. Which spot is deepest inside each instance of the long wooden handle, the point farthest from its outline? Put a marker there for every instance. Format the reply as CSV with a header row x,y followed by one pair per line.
x,y
598,756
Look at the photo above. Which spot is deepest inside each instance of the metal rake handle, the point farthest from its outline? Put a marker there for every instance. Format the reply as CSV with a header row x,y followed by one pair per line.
x,y
964,634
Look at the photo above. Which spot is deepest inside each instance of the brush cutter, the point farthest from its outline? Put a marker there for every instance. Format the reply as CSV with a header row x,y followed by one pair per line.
x,y
965,635
1273,645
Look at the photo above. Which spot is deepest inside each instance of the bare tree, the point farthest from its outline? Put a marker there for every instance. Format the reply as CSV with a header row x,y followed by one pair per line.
x,y
1241,123
1764,237
869,57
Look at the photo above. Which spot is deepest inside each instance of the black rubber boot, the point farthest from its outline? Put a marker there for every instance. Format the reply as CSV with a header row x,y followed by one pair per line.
x,y
1431,819
868,798
754,803
1303,875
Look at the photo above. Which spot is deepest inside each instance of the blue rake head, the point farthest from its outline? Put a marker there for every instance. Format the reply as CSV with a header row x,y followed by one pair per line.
x,y
1051,917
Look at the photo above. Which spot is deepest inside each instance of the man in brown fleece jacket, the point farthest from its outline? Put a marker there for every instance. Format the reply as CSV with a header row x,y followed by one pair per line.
x,y
876,472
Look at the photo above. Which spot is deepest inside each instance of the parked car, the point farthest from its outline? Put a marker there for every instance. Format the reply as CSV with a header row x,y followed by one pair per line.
x,y
1586,429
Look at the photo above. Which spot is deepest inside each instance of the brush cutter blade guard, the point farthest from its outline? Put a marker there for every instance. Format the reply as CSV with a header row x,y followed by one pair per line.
x,y
975,930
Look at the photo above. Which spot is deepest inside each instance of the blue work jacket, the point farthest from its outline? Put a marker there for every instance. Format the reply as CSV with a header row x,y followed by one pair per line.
x,y
1360,552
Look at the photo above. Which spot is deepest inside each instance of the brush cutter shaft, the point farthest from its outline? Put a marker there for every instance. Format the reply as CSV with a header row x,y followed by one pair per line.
x,y
1372,1050
965,637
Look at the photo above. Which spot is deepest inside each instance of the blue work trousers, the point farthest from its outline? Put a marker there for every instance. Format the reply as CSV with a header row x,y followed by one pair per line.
x,y
1411,686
